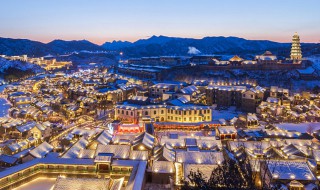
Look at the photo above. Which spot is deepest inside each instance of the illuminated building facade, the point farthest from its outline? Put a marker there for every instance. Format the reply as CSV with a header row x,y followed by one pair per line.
x,y
162,113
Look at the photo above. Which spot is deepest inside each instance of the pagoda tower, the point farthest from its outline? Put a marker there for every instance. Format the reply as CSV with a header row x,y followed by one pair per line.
x,y
296,48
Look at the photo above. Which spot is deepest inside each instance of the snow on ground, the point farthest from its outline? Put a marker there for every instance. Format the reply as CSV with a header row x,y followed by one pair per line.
x,y
300,85
6,64
4,104
308,70
299,127
4,107
316,61
38,184
227,114
2,87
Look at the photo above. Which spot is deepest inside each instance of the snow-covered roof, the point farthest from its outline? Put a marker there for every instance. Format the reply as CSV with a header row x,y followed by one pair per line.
x,y
316,155
8,159
209,143
254,145
272,100
290,170
138,178
163,167
41,127
252,117
190,140
12,122
227,129
5,119
118,151
146,139
86,153
103,158
74,151
189,89
298,142
128,137
165,85
233,120
292,150
26,127
299,127
104,138
199,157
19,145
138,155
227,88
23,152
168,154
139,98
183,99
83,132
282,133
173,142
42,150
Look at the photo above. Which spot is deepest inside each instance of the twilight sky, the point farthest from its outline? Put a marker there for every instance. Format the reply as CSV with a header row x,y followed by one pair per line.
x,y
107,20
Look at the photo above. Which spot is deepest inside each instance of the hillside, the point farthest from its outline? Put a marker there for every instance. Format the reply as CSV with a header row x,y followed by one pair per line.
x,y
154,46
14,70
10,46
162,45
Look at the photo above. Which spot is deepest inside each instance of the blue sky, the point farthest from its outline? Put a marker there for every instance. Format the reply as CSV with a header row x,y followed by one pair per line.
x,y
106,20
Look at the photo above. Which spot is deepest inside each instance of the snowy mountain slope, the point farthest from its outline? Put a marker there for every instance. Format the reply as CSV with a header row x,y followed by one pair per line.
x,y
10,46
154,46
20,65
163,45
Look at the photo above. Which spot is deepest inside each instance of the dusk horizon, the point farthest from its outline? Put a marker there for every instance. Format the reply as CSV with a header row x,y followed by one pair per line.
x,y
147,37
105,21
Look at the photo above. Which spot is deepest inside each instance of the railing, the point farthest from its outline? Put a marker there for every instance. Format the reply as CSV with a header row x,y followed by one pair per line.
x,y
56,171
33,172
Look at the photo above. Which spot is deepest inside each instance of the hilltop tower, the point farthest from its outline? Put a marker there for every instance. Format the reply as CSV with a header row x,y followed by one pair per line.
x,y
296,48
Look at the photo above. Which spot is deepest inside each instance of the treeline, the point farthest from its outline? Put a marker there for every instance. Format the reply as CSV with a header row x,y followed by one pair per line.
x,y
13,74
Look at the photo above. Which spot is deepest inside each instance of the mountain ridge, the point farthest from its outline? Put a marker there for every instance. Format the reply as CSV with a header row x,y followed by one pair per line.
x,y
152,46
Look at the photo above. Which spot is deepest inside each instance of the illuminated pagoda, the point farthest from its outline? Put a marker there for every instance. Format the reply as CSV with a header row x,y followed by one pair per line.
x,y
296,48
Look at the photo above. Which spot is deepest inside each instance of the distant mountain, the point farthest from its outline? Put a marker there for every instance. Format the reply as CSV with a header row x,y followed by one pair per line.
x,y
10,46
61,46
116,45
155,40
155,46
163,45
